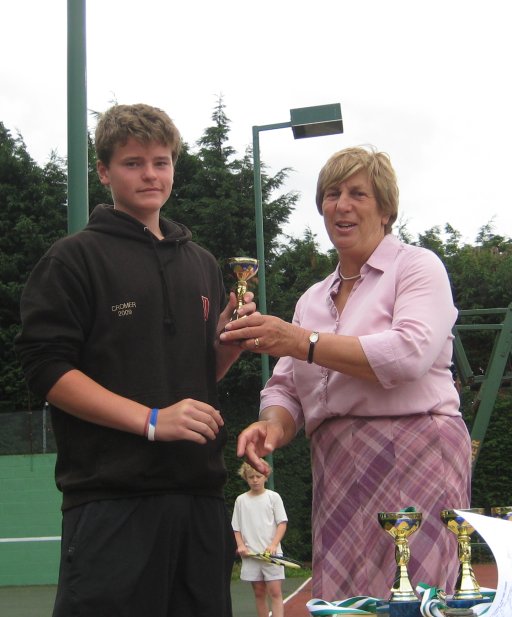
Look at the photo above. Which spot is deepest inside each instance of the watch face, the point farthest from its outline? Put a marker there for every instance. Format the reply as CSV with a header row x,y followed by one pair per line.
x,y
313,337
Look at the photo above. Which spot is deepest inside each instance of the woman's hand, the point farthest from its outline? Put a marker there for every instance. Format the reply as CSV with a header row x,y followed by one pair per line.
x,y
271,335
268,334
257,441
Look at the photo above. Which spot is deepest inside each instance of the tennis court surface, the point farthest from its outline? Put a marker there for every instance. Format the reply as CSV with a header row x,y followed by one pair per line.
x,y
38,601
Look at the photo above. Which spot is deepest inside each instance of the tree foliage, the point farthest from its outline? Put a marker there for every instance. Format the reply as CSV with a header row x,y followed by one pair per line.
x,y
490,488
32,217
213,195
481,278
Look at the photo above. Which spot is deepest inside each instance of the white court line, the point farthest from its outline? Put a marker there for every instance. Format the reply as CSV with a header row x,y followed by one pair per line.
x,y
298,590
35,539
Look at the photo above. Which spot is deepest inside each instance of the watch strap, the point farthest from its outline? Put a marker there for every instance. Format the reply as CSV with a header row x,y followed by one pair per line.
x,y
313,338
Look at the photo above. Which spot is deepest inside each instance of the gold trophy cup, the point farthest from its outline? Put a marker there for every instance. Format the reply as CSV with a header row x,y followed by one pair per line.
x,y
243,268
466,587
400,525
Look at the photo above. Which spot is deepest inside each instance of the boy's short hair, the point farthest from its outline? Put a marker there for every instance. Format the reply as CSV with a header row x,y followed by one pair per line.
x,y
377,165
246,468
140,121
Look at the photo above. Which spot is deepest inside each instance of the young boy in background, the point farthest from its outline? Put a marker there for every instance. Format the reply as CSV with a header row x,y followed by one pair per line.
x,y
259,522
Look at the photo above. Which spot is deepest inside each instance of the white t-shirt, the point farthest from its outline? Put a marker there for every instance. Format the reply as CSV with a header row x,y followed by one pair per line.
x,y
256,517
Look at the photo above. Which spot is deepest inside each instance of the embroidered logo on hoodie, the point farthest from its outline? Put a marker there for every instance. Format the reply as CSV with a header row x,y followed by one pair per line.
x,y
206,307
124,309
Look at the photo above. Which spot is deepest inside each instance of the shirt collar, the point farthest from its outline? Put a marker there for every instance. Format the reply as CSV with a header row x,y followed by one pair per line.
x,y
384,254
381,257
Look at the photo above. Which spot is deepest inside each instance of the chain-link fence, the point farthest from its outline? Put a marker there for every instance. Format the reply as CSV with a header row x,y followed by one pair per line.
x,y
26,432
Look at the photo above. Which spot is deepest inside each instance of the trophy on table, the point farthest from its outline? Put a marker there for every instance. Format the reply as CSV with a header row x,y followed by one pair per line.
x,y
467,590
243,268
403,600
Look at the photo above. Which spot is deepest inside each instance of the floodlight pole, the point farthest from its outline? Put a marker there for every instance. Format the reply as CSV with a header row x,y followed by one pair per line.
x,y
260,242
78,198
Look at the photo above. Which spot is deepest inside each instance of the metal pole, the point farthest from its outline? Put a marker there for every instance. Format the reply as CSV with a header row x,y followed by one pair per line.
x,y
260,253
260,242
303,117
78,198
45,409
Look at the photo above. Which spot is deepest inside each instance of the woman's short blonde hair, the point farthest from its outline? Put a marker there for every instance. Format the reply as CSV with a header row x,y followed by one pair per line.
x,y
345,163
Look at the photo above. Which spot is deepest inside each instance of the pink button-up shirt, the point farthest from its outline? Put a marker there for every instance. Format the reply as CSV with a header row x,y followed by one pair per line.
x,y
402,311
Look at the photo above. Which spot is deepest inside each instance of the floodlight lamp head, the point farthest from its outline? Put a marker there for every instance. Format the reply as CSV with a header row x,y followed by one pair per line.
x,y
316,121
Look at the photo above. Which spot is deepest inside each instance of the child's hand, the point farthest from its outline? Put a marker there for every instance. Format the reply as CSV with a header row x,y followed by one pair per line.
x,y
242,550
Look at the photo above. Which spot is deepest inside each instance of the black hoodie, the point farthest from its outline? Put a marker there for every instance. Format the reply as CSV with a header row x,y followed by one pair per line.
x,y
139,317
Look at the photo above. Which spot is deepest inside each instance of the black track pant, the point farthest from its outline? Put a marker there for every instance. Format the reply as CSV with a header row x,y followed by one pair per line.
x,y
157,556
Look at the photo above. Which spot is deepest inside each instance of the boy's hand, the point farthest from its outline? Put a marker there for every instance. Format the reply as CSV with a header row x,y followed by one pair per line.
x,y
228,353
190,420
246,309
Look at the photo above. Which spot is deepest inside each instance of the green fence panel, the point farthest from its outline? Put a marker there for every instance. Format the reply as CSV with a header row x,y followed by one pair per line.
x,y
30,520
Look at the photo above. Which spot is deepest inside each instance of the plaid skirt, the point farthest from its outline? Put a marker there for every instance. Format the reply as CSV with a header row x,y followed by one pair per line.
x,y
362,466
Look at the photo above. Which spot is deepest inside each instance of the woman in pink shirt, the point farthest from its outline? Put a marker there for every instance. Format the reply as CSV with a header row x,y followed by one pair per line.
x,y
365,369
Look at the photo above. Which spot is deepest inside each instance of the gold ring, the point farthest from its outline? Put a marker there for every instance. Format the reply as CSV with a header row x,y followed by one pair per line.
x,y
256,342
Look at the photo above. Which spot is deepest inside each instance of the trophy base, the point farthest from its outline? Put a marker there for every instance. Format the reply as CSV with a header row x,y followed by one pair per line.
x,y
398,609
450,602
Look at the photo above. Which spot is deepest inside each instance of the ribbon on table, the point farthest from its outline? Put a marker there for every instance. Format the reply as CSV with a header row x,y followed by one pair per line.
x,y
433,601
357,605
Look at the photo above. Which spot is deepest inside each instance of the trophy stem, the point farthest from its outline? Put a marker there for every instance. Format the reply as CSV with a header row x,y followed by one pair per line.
x,y
466,586
241,288
401,589
243,269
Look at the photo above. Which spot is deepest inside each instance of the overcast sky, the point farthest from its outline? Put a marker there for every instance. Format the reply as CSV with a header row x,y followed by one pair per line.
x,y
426,81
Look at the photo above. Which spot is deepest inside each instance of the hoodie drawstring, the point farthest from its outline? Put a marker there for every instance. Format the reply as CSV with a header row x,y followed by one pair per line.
x,y
168,315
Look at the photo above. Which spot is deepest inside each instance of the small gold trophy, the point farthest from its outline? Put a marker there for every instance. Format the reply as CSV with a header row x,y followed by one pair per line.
x,y
466,587
243,269
401,525
504,512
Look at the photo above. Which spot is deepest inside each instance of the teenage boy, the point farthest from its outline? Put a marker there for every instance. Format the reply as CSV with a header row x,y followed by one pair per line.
x,y
120,326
